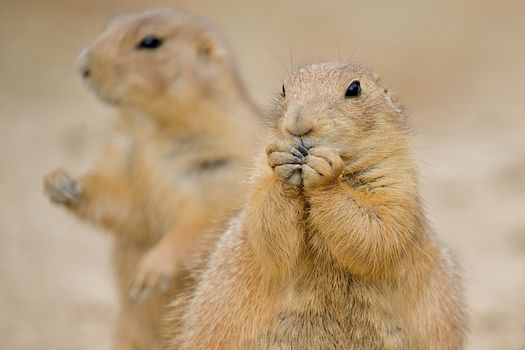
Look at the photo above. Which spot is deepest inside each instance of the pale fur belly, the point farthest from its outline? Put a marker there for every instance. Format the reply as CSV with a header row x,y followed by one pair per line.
x,y
234,308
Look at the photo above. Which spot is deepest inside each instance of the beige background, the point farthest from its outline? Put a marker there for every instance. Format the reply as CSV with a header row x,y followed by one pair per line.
x,y
459,66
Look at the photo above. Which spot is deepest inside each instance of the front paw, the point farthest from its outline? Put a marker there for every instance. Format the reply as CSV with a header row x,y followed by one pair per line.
x,y
61,188
323,166
286,161
154,272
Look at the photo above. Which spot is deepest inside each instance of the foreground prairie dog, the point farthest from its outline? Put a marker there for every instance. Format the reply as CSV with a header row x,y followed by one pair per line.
x,y
332,250
183,141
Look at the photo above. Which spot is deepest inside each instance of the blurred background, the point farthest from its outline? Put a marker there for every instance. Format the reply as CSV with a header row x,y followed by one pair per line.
x,y
459,66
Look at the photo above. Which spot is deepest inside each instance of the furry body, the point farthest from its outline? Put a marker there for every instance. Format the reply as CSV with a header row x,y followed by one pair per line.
x,y
175,168
332,249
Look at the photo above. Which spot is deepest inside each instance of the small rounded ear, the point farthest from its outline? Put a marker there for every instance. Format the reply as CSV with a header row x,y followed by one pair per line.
x,y
392,100
209,48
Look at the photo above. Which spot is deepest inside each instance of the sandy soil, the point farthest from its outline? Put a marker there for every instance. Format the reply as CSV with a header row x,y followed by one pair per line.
x,y
458,66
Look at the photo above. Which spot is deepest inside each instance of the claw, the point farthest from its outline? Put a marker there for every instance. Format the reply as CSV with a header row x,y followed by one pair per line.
x,y
303,150
298,153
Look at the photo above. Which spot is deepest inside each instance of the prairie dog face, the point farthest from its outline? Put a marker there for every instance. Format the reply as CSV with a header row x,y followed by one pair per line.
x,y
145,58
339,105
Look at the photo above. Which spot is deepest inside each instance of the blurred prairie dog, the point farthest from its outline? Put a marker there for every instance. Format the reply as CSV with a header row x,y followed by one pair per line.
x,y
332,250
176,166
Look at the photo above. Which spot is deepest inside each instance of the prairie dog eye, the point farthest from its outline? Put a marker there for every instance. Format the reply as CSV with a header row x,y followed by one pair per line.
x,y
283,91
149,42
353,90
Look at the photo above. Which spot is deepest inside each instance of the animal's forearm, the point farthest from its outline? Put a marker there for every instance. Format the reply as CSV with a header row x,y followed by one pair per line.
x,y
368,234
108,202
274,220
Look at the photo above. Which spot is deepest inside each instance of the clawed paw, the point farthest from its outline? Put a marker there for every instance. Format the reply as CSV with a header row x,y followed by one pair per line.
x,y
154,273
286,160
322,167
296,165
61,188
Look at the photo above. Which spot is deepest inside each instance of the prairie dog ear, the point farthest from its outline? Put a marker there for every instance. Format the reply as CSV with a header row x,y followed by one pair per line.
x,y
210,48
392,100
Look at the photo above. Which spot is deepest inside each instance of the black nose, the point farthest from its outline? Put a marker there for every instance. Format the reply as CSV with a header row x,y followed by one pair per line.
x,y
86,73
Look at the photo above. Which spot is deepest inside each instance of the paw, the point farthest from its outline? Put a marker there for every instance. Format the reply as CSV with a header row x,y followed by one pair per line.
x,y
323,166
154,273
286,161
61,188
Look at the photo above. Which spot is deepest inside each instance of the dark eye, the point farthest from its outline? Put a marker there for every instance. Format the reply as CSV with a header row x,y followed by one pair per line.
x,y
353,90
283,92
149,42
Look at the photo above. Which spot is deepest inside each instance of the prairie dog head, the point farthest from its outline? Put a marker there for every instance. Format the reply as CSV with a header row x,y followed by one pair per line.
x,y
339,105
156,58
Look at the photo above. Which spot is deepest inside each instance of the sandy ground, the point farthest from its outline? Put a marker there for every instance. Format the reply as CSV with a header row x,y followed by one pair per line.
x,y
458,66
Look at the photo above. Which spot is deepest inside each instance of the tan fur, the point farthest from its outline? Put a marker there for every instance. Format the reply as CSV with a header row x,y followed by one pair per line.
x,y
183,140
332,250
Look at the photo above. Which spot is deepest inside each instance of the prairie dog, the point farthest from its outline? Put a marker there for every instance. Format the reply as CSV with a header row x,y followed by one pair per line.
x,y
183,140
332,249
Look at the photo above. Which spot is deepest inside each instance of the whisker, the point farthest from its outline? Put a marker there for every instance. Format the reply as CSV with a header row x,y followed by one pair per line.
x,y
277,57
